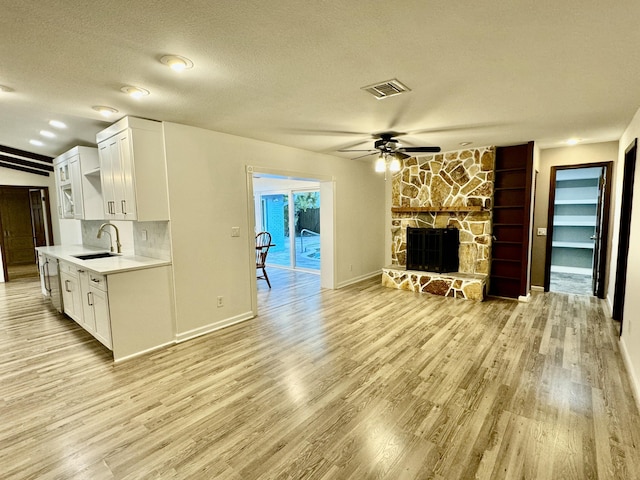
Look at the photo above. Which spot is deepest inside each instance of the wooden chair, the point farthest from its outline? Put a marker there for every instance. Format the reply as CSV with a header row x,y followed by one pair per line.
x,y
263,242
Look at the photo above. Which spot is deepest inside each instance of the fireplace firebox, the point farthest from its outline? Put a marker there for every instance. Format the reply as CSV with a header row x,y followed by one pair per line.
x,y
433,249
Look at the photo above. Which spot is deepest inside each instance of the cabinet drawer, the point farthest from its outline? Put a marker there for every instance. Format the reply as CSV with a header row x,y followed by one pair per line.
x,y
98,281
68,268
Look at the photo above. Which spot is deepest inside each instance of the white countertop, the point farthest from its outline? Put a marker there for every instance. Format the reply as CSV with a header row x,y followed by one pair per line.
x,y
105,266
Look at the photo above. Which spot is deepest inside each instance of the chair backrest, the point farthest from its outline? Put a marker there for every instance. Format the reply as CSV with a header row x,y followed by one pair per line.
x,y
263,242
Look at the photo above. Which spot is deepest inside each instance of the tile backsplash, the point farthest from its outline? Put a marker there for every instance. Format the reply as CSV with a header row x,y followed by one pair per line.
x,y
90,230
152,239
149,239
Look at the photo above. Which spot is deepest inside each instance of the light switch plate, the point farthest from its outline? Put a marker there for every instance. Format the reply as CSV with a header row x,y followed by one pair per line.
x,y
235,231
542,232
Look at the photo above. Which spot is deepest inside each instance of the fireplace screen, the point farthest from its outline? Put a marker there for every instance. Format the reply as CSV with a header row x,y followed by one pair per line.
x,y
432,249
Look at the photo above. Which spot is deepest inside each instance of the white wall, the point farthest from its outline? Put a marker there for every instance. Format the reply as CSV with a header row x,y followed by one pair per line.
x,y
208,196
630,340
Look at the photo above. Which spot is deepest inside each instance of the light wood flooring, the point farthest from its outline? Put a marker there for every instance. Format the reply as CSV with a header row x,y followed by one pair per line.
x,y
358,383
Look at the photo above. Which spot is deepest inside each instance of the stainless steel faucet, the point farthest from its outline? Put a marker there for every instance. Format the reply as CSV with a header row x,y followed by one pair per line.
x,y
102,230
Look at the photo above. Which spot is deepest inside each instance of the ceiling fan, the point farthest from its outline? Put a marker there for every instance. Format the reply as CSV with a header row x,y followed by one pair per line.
x,y
390,151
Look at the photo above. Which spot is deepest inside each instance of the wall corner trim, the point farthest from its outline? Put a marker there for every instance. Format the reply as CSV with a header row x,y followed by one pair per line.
x,y
631,373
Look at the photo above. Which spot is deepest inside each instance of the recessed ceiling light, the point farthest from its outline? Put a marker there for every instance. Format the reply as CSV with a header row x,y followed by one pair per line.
x,y
47,133
464,144
37,143
176,62
573,141
57,124
104,110
135,92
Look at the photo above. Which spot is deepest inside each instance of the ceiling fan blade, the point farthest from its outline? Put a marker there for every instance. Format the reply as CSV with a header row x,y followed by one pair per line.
x,y
362,150
365,155
419,149
400,155
309,131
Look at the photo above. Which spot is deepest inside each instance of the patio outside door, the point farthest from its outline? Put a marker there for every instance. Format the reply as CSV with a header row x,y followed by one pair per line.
x,y
293,219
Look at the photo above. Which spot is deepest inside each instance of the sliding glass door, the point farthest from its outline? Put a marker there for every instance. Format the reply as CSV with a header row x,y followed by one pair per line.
x,y
293,220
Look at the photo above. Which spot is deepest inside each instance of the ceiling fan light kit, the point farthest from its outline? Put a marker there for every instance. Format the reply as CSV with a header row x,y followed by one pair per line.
x,y
391,152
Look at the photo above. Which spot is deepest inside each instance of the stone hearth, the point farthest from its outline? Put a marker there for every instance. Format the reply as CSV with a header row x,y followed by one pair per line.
x,y
457,285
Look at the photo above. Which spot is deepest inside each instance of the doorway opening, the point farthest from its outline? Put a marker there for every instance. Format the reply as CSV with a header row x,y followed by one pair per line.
x,y
25,220
297,209
579,199
630,156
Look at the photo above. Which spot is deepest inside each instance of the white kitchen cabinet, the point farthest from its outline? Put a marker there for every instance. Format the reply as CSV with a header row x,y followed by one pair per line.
x,y
78,184
88,318
100,306
133,170
71,295
66,207
95,306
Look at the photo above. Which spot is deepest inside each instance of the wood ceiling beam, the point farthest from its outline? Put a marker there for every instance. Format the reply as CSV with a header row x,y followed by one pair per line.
x,y
13,166
25,154
26,163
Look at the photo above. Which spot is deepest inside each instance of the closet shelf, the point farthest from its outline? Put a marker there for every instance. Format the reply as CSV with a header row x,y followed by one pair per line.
x,y
579,201
574,221
587,245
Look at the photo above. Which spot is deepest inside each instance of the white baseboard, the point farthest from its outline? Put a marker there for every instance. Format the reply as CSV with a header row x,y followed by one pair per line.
x,y
631,373
212,327
351,281
537,288
143,352
524,298
609,304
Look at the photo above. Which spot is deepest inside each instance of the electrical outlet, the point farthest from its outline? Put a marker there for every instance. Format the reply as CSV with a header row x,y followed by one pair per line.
x,y
350,268
144,235
220,302
235,231
542,232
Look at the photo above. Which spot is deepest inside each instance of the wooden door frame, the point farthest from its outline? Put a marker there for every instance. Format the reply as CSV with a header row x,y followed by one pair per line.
x,y
604,234
629,168
45,190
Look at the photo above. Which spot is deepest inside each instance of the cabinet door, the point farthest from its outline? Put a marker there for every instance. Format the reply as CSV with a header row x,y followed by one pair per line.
x,y
63,184
89,321
76,187
127,194
100,304
71,296
107,150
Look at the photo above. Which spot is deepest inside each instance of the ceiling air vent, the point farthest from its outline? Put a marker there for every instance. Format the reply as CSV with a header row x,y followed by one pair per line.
x,y
386,89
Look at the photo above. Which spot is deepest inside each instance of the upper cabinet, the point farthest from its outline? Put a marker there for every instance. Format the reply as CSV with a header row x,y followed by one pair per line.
x,y
133,170
77,174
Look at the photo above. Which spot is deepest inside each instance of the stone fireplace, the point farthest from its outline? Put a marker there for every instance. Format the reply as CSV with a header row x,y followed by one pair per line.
x,y
453,189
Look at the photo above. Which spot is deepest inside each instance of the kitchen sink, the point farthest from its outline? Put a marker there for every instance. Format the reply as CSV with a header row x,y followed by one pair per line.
x,y
91,256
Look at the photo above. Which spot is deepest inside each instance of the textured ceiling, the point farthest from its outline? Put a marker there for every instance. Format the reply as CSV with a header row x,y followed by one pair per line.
x,y
291,72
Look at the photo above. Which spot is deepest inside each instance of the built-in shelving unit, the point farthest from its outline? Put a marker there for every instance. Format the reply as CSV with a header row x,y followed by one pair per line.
x,y
575,219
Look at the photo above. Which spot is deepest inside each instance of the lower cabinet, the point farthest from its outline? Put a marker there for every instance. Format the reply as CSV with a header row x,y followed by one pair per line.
x,y
95,306
134,315
71,296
